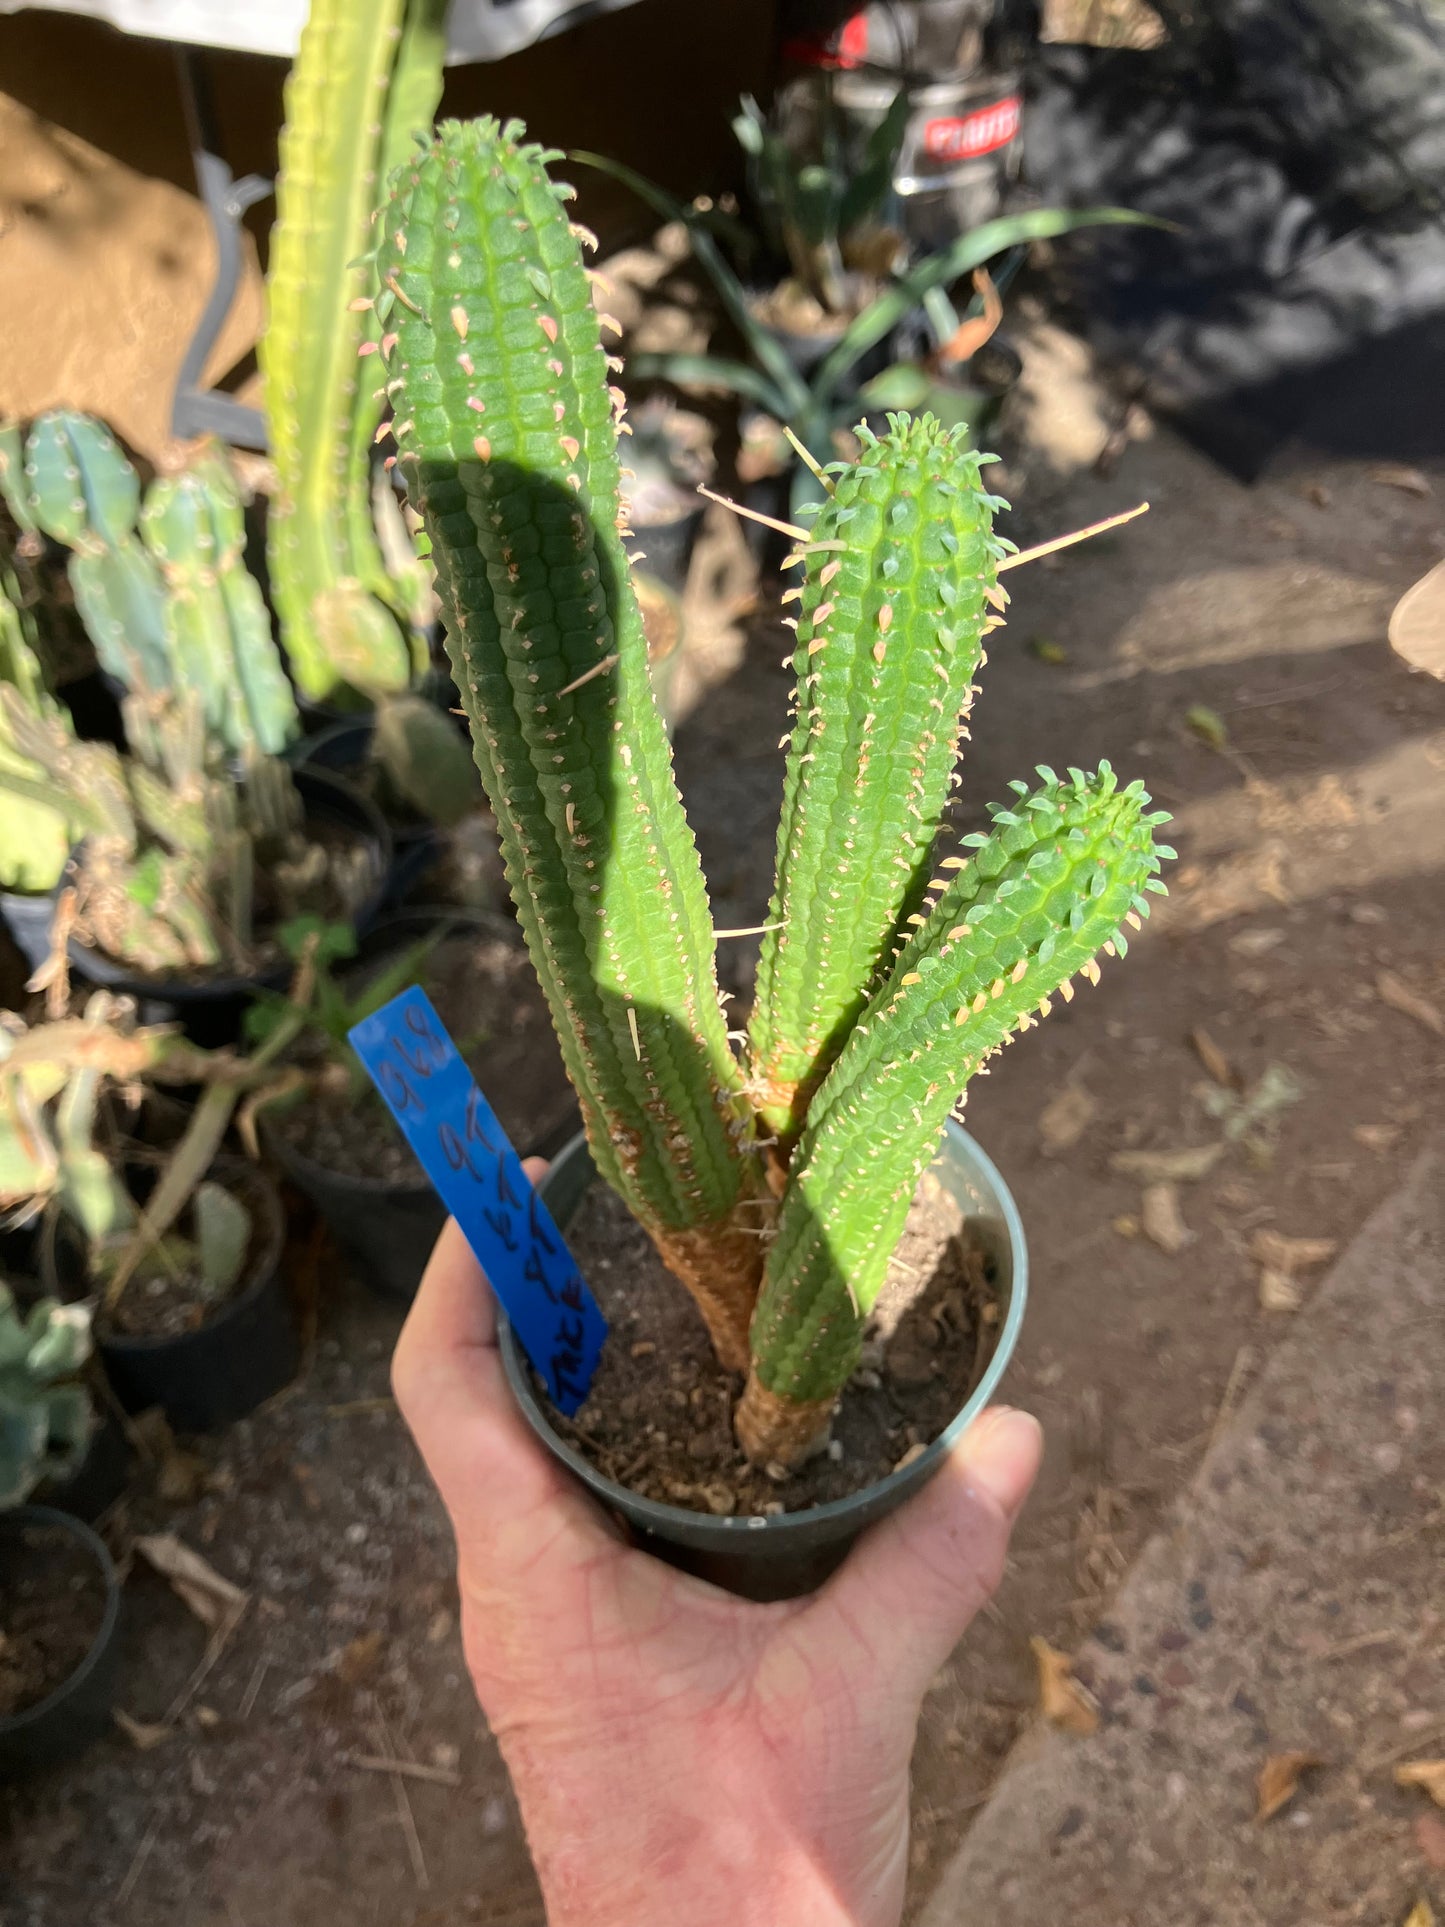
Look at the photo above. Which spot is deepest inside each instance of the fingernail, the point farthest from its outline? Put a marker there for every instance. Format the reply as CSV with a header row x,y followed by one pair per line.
x,y
1003,1450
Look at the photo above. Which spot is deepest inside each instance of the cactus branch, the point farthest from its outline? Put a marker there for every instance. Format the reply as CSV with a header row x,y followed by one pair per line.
x,y
508,445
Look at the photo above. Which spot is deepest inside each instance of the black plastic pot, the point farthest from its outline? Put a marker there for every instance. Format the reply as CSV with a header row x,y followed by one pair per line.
x,y
100,1478
208,1378
386,1230
667,546
211,1012
344,748
785,1555
28,919
79,1709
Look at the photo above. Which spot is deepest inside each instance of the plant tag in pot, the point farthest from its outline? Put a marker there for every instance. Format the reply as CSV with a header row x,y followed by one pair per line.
x,y
470,1161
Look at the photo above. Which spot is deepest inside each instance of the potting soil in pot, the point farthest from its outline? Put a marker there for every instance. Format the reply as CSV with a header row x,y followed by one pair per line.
x,y
52,1605
166,1303
486,994
659,1415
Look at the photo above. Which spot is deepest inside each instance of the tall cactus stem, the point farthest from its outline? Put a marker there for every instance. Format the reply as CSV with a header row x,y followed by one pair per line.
x,y
508,445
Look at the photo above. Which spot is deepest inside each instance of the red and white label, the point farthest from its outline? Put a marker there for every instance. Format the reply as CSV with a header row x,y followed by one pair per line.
x,y
853,41
963,137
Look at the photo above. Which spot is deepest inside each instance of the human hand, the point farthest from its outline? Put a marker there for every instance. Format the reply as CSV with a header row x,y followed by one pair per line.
x,y
680,1755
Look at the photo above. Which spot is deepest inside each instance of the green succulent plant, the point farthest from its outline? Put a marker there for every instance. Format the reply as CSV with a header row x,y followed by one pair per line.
x,y
177,845
367,78
161,583
46,1417
891,976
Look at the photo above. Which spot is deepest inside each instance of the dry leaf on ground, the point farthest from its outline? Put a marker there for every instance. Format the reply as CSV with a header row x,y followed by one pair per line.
x,y
1413,481
1376,1137
1279,1780
1064,1119
1395,992
1422,1914
1278,1291
1211,1056
211,1598
1289,1255
1417,626
1161,1218
1186,1166
142,1734
1429,1774
1062,1700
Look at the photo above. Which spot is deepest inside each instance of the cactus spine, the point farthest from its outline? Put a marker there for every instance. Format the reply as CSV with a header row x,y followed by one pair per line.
x,y
885,989
368,73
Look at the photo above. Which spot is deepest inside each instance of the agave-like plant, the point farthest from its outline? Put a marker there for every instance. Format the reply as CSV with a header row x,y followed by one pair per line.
x,y
888,977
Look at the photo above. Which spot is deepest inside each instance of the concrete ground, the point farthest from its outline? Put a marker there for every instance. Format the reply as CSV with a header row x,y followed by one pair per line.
x,y
1291,1604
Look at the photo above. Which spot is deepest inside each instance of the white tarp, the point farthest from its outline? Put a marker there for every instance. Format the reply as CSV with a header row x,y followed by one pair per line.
x,y
476,29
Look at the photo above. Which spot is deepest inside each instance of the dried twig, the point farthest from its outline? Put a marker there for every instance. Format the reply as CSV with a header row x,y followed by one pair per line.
x,y
409,1769
382,1741
142,1854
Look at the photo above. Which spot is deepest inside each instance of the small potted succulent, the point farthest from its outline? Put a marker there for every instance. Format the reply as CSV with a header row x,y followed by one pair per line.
x,y
774,1184
59,1598
322,1121
180,1255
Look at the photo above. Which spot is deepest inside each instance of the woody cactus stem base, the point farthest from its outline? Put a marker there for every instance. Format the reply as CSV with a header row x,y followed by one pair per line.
x,y
882,988
507,438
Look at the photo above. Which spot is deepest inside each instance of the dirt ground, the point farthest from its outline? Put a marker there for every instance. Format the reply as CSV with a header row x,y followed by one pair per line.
x,y
1306,911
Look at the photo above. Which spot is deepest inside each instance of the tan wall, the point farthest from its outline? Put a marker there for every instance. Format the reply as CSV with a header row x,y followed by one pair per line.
x,y
104,249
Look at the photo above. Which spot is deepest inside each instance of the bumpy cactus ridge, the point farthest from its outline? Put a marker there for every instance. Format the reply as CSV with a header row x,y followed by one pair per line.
x,y
344,96
217,631
894,602
507,440
82,491
34,838
1049,886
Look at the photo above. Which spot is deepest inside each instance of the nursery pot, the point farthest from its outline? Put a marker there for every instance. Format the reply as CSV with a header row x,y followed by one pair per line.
x,y
211,1012
76,1711
99,1479
785,1555
210,1377
28,916
343,749
386,1230
667,545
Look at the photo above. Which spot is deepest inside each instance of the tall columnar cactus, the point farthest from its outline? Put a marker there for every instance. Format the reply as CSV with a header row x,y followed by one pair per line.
x,y
217,630
83,492
45,1411
885,988
368,74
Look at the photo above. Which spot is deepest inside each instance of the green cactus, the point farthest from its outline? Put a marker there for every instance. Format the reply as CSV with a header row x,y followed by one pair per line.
x,y
368,74
424,759
83,492
885,989
46,1416
892,610
174,839
34,838
217,631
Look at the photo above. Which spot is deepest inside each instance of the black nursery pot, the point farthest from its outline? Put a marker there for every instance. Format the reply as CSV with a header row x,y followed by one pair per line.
x,y
386,1230
786,1555
211,1013
343,749
667,546
210,1377
78,1710
99,1479
28,918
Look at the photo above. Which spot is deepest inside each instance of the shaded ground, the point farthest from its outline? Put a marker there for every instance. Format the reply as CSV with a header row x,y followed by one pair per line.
x,y
1311,849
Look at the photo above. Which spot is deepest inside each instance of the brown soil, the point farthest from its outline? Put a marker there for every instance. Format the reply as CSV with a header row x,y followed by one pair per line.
x,y
486,994
169,1303
659,1418
52,1602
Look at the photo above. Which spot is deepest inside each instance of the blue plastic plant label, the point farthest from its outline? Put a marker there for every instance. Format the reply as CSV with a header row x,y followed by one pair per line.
x,y
470,1161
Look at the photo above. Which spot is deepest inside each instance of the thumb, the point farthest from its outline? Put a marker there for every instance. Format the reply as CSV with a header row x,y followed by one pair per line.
x,y
912,1585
